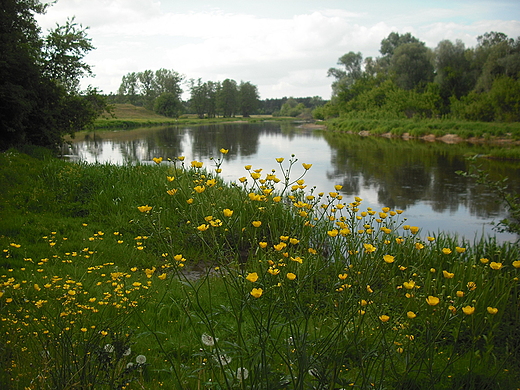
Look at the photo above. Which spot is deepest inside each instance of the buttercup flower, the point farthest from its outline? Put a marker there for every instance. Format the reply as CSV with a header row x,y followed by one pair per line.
x,y
492,310
228,212
291,276
411,314
432,301
224,151
446,251
448,275
257,292
157,160
468,310
279,160
252,277
256,223
306,166
388,259
384,318
494,265
144,209
460,250
516,264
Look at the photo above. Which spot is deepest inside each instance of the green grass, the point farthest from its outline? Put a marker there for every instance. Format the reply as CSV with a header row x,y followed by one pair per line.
x,y
302,290
130,116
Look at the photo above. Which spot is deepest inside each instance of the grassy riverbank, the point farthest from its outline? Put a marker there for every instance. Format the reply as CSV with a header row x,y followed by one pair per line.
x,y
128,115
164,276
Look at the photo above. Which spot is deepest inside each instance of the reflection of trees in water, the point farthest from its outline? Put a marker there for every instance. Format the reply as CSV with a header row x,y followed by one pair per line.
x,y
404,173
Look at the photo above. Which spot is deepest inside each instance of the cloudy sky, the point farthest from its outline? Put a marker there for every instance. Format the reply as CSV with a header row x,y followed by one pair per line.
x,y
284,47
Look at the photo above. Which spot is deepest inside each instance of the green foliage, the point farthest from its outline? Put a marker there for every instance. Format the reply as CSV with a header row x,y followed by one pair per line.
x,y
293,290
39,100
501,189
168,104
477,84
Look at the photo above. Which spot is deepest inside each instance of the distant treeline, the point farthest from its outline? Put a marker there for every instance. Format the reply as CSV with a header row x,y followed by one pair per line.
x,y
161,91
412,80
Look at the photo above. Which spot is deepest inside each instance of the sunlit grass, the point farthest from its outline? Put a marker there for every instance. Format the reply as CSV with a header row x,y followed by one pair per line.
x,y
165,276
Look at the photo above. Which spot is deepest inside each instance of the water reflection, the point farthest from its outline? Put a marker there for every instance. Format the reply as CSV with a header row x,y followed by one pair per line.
x,y
415,176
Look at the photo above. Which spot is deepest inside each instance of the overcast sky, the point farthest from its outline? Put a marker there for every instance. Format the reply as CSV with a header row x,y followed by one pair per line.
x,y
285,47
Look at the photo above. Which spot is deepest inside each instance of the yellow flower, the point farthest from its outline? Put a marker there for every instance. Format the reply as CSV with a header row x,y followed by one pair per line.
x,y
411,314
279,160
495,265
384,318
203,227
448,275
306,166
409,285
432,301
460,294
262,244
369,289
197,164
419,246
255,175
144,209
72,292
256,223
446,251
85,329
172,191
252,277
162,276
388,259
273,271
460,250
333,232
453,309
170,178
257,292
224,151
199,189
228,212
431,239
492,310
157,160
277,199
291,276
414,229
472,285
516,264
189,201
342,276
468,310
369,248
181,158
483,260
338,187
247,167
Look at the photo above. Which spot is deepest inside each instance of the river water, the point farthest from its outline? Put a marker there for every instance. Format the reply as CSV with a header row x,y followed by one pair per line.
x,y
416,176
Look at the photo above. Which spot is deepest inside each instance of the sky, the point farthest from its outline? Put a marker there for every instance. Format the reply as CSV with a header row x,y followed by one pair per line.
x,y
284,47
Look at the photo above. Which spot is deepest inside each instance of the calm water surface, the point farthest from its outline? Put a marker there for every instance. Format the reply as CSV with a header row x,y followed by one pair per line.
x,y
415,176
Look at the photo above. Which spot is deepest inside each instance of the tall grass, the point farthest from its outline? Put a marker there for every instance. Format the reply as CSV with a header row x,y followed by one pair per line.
x,y
165,276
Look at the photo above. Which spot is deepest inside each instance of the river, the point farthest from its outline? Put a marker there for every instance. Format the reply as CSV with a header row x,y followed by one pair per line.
x,y
415,176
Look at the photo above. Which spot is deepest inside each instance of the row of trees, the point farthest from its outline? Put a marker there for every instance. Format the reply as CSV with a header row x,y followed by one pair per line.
x,y
410,79
161,91
40,100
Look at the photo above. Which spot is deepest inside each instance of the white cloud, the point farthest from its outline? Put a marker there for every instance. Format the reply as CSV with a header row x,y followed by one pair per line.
x,y
284,56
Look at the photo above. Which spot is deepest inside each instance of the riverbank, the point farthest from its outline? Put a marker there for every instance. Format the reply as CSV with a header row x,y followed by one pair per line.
x,y
94,257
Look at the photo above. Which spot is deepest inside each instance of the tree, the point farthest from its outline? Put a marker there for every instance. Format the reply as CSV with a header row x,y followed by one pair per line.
x,y
64,49
168,104
38,104
452,68
411,64
227,99
248,94
345,78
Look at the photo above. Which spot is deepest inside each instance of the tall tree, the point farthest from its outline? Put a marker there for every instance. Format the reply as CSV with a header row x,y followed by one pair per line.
x,y
412,65
227,99
248,97
38,103
64,50
345,78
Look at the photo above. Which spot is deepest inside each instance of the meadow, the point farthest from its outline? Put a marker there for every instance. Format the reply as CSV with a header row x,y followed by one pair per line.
x,y
165,276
